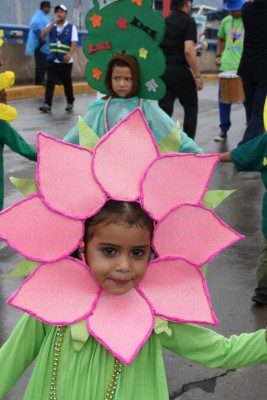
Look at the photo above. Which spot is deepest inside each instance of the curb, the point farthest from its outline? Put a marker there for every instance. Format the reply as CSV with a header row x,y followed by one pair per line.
x,y
33,91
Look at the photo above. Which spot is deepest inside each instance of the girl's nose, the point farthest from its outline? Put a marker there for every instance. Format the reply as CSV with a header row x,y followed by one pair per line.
x,y
123,265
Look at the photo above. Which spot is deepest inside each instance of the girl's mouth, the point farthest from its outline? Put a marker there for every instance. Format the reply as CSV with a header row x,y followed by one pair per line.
x,y
120,282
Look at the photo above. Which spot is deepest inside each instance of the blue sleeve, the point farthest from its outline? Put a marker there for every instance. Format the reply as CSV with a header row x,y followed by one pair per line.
x,y
188,145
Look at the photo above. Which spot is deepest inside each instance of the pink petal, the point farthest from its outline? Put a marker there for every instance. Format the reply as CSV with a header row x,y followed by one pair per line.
x,y
178,291
59,293
175,179
65,178
193,232
122,324
122,156
39,233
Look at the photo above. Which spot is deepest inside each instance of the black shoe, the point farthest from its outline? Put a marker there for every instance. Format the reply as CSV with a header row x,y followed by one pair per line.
x,y
260,299
45,108
221,138
69,107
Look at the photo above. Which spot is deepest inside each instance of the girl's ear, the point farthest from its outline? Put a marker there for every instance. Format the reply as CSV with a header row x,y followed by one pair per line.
x,y
82,255
81,250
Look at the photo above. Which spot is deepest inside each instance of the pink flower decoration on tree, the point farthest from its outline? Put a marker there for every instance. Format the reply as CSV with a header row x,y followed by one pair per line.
x,y
74,184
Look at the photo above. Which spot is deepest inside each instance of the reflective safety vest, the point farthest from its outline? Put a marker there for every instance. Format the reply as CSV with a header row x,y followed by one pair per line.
x,y
59,42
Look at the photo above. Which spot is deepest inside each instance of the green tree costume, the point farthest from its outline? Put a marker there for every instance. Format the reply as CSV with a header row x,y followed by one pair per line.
x,y
10,137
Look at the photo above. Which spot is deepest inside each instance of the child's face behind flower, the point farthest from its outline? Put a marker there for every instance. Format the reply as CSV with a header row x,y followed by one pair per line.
x,y
118,256
122,81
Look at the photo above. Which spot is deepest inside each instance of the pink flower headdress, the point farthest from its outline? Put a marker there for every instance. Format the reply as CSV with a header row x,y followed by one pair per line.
x,y
73,184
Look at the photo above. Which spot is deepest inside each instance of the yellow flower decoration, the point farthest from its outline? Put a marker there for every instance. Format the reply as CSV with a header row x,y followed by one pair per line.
x,y
265,114
143,53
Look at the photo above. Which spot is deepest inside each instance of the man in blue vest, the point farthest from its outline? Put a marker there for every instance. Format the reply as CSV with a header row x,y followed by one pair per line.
x,y
63,38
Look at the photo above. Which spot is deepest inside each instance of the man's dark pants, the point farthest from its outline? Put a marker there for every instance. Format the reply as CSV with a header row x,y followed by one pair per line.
x,y
40,67
180,84
255,93
56,72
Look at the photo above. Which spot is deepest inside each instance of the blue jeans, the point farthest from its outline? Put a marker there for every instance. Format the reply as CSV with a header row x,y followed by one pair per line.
x,y
224,112
255,93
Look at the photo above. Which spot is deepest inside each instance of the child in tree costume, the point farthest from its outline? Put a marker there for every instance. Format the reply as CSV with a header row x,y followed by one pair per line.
x,y
129,31
92,342
252,156
8,135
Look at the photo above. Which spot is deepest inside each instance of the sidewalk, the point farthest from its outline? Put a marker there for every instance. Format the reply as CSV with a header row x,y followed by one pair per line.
x,y
32,91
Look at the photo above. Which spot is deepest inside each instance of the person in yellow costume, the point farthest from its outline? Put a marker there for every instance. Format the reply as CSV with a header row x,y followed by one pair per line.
x,y
8,135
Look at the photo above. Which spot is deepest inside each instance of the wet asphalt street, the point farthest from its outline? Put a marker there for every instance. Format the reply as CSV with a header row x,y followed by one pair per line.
x,y
231,276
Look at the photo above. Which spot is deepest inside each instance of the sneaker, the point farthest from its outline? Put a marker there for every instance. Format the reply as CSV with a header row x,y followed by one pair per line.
x,y
69,107
45,108
260,299
221,138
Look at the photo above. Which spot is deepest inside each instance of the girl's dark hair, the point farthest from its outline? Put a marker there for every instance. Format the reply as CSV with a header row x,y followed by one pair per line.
x,y
118,63
123,60
118,212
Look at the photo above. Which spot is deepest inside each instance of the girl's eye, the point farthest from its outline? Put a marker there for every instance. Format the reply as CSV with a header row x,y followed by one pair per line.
x,y
109,251
138,252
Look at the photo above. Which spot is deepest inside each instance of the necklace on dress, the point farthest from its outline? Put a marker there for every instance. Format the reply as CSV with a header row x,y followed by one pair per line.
x,y
57,351
114,380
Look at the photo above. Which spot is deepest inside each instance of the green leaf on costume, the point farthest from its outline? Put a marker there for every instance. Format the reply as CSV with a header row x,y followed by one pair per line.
x,y
24,268
25,186
161,325
172,142
215,197
79,335
204,269
87,137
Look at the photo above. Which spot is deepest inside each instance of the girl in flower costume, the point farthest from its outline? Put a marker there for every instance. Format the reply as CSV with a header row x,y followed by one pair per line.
x,y
128,32
98,325
8,135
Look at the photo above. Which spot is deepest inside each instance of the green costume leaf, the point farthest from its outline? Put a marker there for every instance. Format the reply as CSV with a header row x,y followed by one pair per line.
x,y
171,142
87,137
24,268
161,325
79,334
204,269
25,186
215,197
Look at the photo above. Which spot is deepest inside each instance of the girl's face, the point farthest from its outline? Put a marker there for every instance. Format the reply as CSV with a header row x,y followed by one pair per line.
x,y
122,81
118,256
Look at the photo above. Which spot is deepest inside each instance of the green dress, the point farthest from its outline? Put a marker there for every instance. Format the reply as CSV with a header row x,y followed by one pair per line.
x,y
10,137
102,115
86,374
